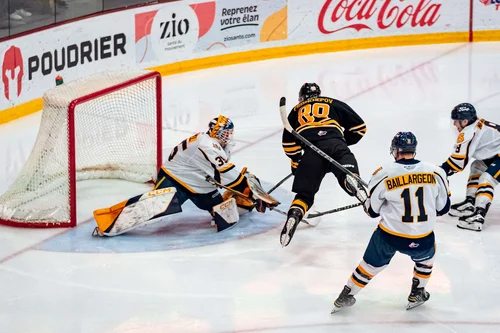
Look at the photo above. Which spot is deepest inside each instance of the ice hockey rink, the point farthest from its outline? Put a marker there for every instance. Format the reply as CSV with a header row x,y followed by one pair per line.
x,y
179,275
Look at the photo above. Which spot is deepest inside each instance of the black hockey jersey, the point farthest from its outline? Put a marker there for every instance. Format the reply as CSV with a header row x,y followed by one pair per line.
x,y
321,118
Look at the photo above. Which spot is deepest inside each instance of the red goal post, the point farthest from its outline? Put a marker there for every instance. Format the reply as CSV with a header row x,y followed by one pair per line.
x,y
104,126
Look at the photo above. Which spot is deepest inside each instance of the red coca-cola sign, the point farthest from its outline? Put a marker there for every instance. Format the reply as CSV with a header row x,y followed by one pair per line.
x,y
358,14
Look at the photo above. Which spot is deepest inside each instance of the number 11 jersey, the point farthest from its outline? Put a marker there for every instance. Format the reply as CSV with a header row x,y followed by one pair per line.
x,y
409,195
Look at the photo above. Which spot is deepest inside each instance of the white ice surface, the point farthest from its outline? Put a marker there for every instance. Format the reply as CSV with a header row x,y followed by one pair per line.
x,y
251,284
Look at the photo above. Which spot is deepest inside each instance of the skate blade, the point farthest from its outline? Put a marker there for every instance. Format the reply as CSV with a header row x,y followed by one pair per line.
x,y
336,309
286,237
460,214
471,229
412,305
285,240
97,233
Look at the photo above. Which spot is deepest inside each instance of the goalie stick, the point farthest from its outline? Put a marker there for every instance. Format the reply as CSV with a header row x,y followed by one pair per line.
x,y
289,128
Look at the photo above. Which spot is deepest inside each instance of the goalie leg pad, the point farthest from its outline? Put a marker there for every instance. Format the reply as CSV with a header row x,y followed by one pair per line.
x,y
225,215
243,204
135,212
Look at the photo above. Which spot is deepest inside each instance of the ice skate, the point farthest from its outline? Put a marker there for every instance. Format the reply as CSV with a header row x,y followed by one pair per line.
x,y
474,222
464,208
343,301
293,220
97,232
418,296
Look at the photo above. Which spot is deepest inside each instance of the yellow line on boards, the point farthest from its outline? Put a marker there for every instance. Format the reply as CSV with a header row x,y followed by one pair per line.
x,y
33,106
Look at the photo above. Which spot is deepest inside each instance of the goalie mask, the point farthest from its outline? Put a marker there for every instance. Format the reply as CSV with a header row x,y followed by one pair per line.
x,y
221,129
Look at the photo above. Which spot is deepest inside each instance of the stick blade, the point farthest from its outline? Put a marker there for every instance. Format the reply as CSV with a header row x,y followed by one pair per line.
x,y
282,101
284,116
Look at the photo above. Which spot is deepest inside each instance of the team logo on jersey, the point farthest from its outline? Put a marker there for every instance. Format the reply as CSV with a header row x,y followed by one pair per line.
x,y
460,138
414,245
322,133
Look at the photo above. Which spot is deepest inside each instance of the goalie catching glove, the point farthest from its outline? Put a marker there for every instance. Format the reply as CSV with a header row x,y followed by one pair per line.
x,y
250,195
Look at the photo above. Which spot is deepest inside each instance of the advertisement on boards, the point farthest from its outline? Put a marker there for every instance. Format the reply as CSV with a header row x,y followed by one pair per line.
x,y
351,19
29,64
486,15
179,31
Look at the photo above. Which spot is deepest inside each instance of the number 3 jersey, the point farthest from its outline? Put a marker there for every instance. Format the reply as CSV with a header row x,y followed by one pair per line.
x,y
322,118
408,195
480,140
200,156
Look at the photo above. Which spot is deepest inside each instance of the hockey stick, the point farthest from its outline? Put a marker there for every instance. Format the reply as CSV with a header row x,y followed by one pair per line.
x,y
331,211
289,128
219,185
278,185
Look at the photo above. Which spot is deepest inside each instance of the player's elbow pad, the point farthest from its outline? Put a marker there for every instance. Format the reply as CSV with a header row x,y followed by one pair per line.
x,y
445,209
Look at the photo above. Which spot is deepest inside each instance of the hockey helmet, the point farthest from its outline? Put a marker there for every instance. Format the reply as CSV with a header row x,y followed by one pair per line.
x,y
309,90
404,142
464,111
222,129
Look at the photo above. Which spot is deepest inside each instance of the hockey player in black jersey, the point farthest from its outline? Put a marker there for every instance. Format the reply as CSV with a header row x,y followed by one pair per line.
x,y
332,126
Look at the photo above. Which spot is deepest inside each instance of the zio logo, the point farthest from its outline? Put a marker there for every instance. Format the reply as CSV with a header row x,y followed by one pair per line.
x,y
174,27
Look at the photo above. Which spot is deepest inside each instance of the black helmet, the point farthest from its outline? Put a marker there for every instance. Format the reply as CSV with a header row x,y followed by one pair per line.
x,y
309,90
464,111
404,142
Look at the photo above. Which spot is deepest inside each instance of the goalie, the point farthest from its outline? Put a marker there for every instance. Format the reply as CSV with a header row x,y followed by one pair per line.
x,y
184,177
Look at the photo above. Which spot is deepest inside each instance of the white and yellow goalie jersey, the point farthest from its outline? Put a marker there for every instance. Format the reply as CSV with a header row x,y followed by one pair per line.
x,y
480,140
408,195
197,157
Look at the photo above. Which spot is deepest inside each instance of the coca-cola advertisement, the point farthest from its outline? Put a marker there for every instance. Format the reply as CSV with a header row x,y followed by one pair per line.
x,y
352,19
486,17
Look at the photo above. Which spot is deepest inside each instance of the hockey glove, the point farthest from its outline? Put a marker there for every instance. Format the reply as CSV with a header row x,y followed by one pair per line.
x,y
447,168
368,209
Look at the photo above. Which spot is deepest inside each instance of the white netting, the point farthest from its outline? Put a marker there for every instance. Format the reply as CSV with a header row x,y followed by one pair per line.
x,y
115,137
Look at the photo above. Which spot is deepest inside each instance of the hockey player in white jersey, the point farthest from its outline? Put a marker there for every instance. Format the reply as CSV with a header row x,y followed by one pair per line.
x,y
407,195
478,139
183,177
207,154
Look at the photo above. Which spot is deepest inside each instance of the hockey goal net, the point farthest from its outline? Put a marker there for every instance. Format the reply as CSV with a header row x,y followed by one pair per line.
x,y
107,125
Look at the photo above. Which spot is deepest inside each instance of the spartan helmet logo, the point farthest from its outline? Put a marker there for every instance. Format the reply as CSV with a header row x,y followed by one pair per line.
x,y
12,71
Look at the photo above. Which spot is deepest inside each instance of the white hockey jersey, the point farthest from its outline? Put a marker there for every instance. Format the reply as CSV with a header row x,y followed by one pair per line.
x,y
197,157
408,195
480,140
